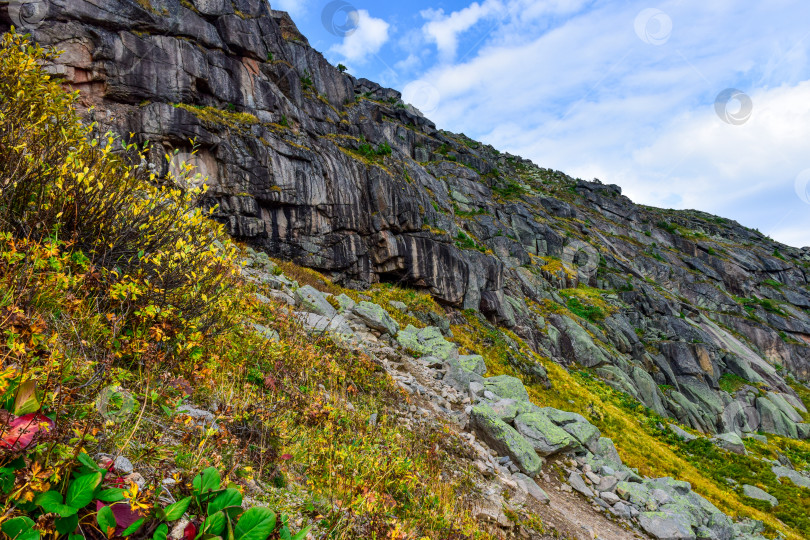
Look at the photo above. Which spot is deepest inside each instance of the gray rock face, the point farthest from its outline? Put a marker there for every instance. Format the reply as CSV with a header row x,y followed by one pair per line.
x,y
774,420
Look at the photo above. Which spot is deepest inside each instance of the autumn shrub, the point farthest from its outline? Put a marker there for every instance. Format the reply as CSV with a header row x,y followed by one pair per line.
x,y
153,252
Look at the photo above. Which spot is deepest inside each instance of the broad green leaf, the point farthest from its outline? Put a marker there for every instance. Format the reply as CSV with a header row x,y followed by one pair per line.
x,y
88,462
110,495
26,401
161,532
17,527
67,525
175,511
302,534
81,490
206,481
6,480
255,524
133,528
106,521
230,500
214,524
51,502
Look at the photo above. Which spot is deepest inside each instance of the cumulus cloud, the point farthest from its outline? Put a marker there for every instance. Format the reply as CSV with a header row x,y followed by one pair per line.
x,y
444,30
367,39
570,85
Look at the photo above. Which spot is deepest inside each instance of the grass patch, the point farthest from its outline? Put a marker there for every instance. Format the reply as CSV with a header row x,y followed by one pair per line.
x,y
730,383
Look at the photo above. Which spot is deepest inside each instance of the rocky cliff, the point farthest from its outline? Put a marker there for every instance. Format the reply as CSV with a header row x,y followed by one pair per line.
x,y
699,318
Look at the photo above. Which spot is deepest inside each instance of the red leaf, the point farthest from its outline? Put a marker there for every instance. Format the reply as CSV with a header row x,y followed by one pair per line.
x,y
190,533
286,457
124,515
21,431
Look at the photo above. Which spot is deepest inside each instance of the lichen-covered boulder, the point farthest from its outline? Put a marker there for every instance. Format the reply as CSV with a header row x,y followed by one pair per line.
x,y
664,526
585,433
507,387
509,409
544,435
312,300
505,439
427,341
374,316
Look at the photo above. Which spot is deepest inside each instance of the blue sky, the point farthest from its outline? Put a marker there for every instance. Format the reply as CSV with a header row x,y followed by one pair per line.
x,y
623,91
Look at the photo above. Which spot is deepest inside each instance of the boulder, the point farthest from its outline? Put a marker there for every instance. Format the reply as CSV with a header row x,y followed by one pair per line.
x,y
474,363
374,316
530,487
664,526
607,451
773,420
504,439
794,476
634,493
345,303
312,300
428,341
731,442
461,374
759,494
267,333
508,409
585,433
562,418
508,387
579,484
545,437
318,324
683,434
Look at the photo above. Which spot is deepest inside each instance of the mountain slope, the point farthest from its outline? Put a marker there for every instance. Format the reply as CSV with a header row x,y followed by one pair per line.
x,y
698,318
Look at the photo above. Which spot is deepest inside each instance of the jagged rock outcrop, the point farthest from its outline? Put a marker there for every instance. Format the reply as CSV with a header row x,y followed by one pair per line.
x,y
699,318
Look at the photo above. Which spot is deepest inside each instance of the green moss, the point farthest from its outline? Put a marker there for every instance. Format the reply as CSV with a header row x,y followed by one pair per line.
x,y
730,383
212,115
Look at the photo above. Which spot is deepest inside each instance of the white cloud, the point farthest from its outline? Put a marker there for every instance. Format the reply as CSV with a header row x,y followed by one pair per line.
x,y
410,63
293,7
367,39
577,90
444,30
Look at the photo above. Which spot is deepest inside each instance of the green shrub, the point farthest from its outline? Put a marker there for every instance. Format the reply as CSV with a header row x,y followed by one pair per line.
x,y
669,227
